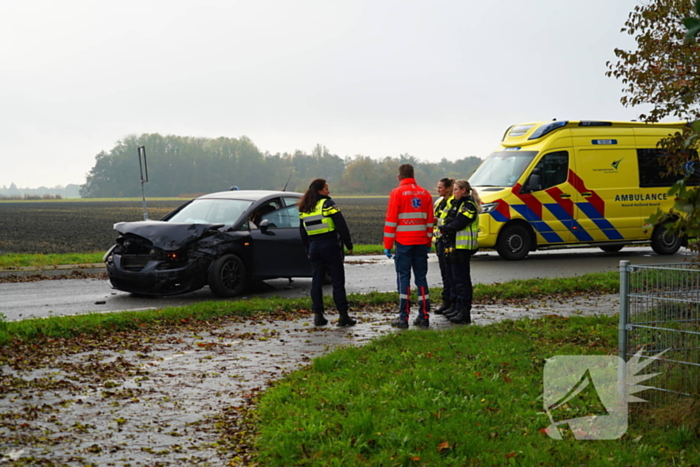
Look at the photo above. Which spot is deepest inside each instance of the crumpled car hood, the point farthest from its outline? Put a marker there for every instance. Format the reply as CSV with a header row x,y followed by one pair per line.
x,y
168,236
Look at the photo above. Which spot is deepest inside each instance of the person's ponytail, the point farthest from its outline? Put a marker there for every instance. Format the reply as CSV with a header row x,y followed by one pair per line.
x,y
308,202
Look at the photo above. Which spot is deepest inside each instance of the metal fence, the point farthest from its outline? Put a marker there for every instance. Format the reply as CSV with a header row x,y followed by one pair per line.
x,y
660,311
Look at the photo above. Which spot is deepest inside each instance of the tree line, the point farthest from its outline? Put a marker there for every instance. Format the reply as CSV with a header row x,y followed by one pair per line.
x,y
56,192
187,166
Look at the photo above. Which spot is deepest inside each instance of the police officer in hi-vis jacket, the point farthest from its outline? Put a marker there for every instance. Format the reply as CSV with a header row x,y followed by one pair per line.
x,y
441,208
324,231
460,232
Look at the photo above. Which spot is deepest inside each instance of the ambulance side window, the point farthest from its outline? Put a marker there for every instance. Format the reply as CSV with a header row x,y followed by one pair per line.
x,y
654,173
551,170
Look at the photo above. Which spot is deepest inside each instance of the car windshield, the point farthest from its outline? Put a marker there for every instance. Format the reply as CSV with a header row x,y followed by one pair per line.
x,y
211,211
502,169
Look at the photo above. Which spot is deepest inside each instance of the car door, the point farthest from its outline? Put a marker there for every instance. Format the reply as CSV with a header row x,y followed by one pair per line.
x,y
277,247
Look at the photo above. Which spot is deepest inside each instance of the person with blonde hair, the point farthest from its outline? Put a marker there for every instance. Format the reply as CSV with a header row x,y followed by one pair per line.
x,y
460,231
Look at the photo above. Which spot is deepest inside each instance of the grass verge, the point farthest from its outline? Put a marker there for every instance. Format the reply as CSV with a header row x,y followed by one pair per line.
x,y
466,396
367,250
18,260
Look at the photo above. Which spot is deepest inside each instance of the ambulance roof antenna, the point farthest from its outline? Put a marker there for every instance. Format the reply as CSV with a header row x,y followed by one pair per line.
x,y
285,185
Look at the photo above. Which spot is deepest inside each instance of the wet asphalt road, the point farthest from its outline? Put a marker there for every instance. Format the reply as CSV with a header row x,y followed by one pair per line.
x,y
363,274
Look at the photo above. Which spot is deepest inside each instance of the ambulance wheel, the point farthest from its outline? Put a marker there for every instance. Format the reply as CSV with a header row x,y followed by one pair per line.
x,y
665,242
611,248
513,242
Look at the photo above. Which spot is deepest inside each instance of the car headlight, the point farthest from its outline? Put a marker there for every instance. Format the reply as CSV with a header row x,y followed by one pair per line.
x,y
488,207
107,258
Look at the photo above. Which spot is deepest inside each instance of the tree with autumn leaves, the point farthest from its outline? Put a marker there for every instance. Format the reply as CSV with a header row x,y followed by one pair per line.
x,y
664,71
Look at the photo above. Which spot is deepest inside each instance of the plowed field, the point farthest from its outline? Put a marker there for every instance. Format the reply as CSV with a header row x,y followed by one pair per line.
x,y
86,226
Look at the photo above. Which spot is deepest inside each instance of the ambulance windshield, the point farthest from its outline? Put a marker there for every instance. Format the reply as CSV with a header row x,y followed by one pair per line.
x,y
502,169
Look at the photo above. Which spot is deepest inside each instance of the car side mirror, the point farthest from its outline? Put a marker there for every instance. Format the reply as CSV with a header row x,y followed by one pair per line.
x,y
264,225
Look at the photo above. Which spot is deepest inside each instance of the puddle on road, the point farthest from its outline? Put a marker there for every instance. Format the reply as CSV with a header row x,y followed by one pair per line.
x,y
153,408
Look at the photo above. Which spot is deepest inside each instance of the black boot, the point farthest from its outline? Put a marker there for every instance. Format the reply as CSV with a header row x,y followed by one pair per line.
x,y
399,323
451,311
443,308
319,319
463,317
422,322
345,320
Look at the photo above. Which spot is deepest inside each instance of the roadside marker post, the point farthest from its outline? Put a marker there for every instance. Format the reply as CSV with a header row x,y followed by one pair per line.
x,y
143,166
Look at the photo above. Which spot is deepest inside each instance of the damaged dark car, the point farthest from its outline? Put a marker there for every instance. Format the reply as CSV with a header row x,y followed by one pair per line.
x,y
222,240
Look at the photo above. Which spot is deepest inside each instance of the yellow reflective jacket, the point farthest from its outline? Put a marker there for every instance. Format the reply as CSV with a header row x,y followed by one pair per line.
x,y
319,221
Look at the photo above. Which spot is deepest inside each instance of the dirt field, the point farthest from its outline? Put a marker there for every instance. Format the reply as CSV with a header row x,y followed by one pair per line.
x,y
86,226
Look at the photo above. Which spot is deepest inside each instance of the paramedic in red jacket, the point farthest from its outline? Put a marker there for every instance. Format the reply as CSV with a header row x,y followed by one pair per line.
x,y
409,224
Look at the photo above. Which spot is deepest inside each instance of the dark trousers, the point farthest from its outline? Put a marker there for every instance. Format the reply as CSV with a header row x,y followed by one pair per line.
x,y
448,292
327,257
412,258
459,263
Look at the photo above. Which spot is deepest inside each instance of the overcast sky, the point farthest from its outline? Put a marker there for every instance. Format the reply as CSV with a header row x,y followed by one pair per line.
x,y
378,78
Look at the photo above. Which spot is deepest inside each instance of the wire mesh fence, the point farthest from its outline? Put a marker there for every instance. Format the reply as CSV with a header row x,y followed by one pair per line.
x,y
660,311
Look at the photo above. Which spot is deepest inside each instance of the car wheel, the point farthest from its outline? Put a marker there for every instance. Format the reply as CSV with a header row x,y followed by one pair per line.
x,y
665,242
611,248
513,242
227,276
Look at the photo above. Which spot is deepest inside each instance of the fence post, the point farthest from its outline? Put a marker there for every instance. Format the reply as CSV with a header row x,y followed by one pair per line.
x,y
624,308
622,328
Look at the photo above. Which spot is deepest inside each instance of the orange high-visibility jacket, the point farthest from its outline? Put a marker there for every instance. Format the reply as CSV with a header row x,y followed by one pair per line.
x,y
409,216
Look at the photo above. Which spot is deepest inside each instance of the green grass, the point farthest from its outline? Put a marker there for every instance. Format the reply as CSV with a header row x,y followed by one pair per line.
x,y
366,250
598,283
12,260
16,260
63,327
466,396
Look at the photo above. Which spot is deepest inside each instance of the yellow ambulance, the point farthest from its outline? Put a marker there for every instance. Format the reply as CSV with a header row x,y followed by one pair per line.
x,y
565,184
